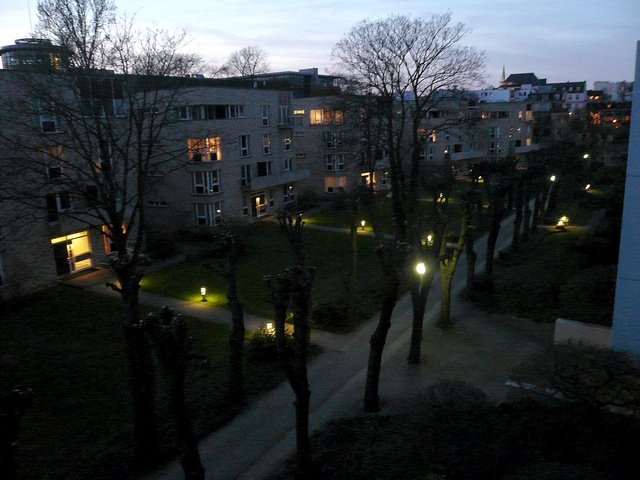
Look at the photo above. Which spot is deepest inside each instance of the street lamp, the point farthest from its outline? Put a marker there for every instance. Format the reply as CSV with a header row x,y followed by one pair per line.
x,y
203,292
421,269
362,224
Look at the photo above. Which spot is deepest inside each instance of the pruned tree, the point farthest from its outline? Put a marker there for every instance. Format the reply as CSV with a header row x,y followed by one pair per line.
x,y
168,334
450,254
90,141
246,62
13,405
290,292
409,66
227,249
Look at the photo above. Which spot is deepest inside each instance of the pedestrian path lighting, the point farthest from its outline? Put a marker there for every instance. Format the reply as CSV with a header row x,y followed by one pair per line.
x,y
362,224
203,292
421,269
563,221
587,187
270,329
552,178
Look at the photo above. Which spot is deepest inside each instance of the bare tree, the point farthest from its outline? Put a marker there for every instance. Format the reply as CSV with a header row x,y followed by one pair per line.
x,y
169,336
87,162
408,65
227,250
247,62
291,292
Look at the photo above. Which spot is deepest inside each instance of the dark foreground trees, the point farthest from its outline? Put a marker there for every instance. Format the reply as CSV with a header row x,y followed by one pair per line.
x,y
86,163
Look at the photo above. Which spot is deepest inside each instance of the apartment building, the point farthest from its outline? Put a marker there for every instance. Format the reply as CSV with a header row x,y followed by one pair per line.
x,y
238,159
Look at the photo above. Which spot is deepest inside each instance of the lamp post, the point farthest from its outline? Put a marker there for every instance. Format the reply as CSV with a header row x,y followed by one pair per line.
x,y
552,180
203,292
421,269
362,224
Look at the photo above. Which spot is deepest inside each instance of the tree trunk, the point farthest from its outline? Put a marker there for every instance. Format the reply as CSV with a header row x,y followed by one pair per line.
x,y
494,230
471,260
517,222
444,321
351,287
191,464
378,340
236,339
537,207
419,297
527,209
140,367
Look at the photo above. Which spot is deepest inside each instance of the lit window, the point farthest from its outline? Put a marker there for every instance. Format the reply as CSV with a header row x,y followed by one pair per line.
x,y
204,149
325,116
334,184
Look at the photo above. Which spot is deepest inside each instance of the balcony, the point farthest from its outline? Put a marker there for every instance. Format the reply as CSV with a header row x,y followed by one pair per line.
x,y
269,181
467,155
527,148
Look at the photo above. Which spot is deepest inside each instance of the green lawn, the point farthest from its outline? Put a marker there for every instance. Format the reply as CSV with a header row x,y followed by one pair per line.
x,y
269,253
66,345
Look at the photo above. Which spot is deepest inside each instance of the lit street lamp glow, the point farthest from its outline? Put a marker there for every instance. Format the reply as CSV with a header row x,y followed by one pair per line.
x,y
552,178
362,224
421,268
203,292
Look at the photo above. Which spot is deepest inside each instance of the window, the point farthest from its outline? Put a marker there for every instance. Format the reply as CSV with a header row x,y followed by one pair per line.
x,y
245,146
432,137
245,175
334,161
334,184
208,214
288,164
265,112
56,204
263,169
431,152
48,119
288,193
326,116
235,111
284,115
204,149
103,97
157,203
266,143
287,142
53,161
494,132
206,183
210,112
333,139
494,147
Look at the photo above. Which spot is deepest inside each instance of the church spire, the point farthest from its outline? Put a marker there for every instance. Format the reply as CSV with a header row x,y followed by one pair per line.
x,y
503,78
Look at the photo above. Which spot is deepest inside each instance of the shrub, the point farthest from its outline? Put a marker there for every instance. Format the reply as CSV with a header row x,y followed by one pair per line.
x,y
331,315
262,345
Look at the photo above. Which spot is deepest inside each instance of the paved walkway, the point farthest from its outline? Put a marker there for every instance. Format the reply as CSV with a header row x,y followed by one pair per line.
x,y
481,349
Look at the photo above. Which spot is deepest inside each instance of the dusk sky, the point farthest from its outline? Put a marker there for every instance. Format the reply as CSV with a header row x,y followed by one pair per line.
x,y
566,40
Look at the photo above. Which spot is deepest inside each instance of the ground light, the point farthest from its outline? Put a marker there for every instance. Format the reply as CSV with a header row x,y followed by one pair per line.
x,y
203,292
421,269
363,223
587,187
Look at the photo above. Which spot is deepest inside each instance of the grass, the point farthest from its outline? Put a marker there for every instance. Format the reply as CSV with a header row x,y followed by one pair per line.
x,y
66,345
268,253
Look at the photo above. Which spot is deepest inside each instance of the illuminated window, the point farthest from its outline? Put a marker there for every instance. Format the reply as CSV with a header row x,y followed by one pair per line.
x,y
298,111
335,184
288,193
326,116
204,149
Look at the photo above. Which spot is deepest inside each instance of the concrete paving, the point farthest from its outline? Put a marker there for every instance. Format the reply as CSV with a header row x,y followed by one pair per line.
x,y
480,349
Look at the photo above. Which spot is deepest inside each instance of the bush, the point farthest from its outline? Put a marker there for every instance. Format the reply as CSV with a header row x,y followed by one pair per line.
x,y
160,245
331,315
262,345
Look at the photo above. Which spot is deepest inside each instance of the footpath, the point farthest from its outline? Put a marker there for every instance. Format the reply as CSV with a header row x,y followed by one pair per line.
x,y
481,349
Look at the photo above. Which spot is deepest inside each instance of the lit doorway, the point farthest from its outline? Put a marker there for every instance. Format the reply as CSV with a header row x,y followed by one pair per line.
x,y
259,205
72,252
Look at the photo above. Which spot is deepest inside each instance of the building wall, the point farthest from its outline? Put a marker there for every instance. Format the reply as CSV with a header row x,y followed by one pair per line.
x,y
626,313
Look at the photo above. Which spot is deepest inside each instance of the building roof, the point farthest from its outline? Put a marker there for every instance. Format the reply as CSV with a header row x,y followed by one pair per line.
x,y
517,79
